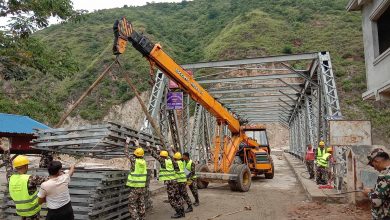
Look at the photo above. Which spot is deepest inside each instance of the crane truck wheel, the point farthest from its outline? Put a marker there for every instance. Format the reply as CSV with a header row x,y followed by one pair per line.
x,y
270,175
244,178
202,168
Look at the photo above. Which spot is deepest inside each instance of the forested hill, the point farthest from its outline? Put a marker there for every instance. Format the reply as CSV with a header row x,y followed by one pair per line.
x,y
58,63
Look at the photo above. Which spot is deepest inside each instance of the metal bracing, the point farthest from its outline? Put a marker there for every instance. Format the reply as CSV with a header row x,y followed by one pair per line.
x,y
185,121
195,132
155,100
329,86
272,92
174,128
251,90
255,104
265,97
259,60
250,78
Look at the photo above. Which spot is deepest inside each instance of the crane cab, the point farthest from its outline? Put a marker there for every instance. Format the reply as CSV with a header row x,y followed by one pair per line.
x,y
257,158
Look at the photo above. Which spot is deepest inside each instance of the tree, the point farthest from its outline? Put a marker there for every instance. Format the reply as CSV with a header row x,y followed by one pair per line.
x,y
28,15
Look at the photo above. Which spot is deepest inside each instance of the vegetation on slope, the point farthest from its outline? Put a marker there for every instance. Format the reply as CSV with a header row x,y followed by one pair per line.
x,y
193,31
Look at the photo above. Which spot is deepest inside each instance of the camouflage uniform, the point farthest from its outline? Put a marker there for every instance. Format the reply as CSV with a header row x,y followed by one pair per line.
x,y
184,194
137,194
310,167
380,195
322,175
192,183
321,172
7,163
173,189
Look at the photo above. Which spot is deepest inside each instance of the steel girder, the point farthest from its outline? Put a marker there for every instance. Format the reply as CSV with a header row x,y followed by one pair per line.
x,y
250,78
259,60
304,109
155,100
250,98
250,90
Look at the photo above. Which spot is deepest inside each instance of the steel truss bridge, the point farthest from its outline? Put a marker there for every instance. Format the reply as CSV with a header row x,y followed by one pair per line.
x,y
297,91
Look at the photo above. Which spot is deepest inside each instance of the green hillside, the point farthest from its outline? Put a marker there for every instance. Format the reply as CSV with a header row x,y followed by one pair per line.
x,y
65,59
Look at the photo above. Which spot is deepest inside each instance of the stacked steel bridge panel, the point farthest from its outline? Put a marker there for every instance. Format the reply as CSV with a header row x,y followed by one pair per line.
x,y
100,141
95,194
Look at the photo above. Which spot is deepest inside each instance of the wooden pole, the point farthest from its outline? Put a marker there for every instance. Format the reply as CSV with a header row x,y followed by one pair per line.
x,y
82,97
145,110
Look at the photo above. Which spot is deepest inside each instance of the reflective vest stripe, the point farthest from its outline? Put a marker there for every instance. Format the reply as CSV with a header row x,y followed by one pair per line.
x,y
26,204
138,177
135,181
134,174
323,161
167,173
26,201
181,175
29,209
188,168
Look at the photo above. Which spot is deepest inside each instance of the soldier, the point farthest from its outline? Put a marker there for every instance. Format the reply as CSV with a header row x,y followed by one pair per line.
x,y
167,174
309,159
23,190
191,178
323,165
136,181
5,147
182,181
320,151
380,195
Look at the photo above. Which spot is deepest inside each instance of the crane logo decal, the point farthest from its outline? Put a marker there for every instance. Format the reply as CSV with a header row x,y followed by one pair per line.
x,y
186,79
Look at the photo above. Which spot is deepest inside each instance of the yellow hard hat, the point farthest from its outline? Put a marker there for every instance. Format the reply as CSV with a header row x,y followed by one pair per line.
x,y
164,153
139,152
177,155
329,149
322,143
20,161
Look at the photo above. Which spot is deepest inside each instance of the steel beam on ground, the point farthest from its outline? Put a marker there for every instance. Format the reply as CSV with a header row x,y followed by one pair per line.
x,y
257,98
245,90
249,78
258,60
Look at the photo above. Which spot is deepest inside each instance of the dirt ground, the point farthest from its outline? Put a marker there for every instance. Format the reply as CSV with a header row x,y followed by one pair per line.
x,y
279,198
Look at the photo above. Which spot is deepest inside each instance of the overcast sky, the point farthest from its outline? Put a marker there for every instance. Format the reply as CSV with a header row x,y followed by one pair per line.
x,y
101,4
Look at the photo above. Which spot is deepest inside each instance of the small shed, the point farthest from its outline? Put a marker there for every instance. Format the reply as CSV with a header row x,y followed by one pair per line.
x,y
19,129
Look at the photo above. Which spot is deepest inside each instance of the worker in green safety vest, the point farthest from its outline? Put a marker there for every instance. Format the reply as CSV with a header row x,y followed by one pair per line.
x,y
136,180
167,174
320,151
323,165
182,181
191,177
23,189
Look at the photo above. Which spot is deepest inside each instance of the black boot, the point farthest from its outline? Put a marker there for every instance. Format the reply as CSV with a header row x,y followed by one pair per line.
x,y
179,214
189,209
176,215
196,203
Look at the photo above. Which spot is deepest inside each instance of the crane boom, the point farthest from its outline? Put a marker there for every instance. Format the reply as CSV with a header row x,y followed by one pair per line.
x,y
153,52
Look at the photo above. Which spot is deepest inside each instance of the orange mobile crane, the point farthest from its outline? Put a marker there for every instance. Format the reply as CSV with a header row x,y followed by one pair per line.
x,y
248,143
